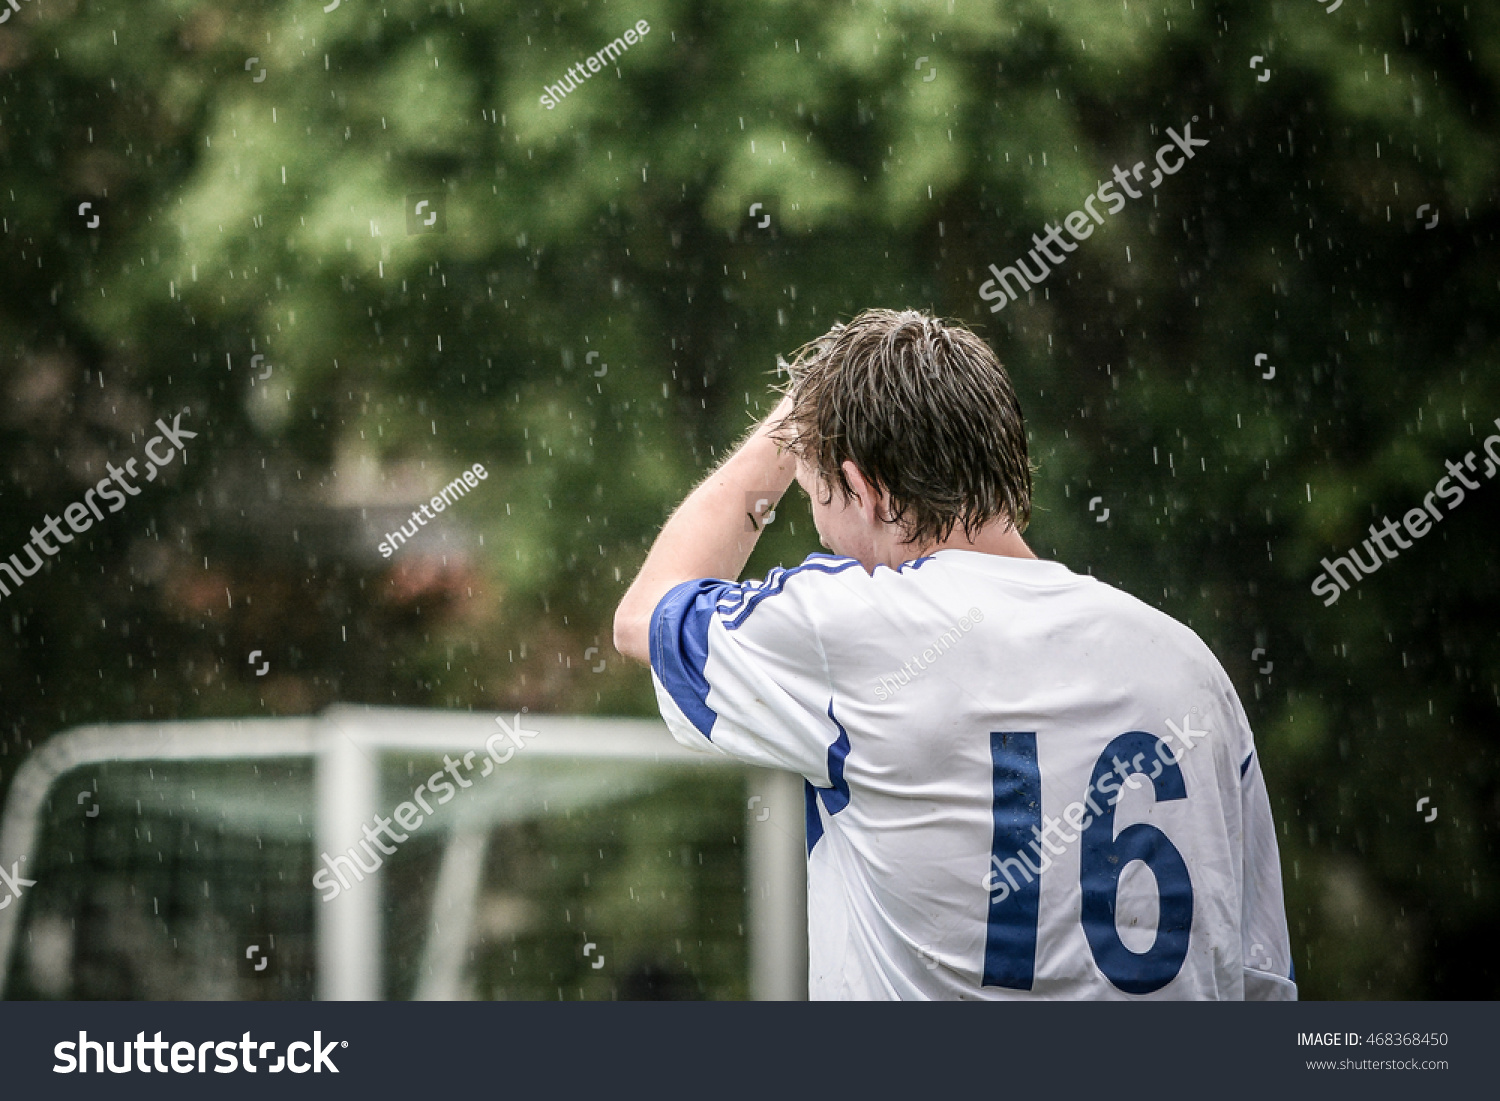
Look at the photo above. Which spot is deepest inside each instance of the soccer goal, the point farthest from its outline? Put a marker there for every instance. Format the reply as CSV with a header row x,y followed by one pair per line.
x,y
370,853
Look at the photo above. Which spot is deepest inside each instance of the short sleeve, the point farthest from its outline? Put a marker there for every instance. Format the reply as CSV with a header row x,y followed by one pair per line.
x,y
1269,974
1267,947
739,668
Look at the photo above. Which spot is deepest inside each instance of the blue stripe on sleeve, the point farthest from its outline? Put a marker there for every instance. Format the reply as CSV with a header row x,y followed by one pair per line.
x,y
836,796
1244,768
679,646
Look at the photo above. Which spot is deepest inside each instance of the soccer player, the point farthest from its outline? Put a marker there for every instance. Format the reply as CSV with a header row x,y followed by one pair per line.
x,y
1021,782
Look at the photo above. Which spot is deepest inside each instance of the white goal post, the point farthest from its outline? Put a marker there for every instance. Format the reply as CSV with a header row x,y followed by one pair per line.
x,y
345,743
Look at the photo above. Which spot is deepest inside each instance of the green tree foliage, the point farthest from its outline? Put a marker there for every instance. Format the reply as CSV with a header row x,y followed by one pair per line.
x,y
898,149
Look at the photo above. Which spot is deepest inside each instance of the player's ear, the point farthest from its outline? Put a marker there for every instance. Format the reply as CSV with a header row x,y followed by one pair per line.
x,y
867,500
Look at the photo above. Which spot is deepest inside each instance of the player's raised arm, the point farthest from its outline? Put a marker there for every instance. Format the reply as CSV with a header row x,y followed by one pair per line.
x,y
708,535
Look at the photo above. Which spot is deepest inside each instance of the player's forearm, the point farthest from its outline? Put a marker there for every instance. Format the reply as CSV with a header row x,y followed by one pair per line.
x,y
709,535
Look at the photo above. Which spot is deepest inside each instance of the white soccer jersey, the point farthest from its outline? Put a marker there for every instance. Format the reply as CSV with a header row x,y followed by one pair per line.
x,y
1021,782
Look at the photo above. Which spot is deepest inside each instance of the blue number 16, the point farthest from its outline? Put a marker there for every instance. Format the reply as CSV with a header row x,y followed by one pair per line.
x,y
1011,933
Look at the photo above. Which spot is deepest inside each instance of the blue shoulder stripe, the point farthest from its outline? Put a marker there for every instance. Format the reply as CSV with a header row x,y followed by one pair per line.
x,y
735,616
679,646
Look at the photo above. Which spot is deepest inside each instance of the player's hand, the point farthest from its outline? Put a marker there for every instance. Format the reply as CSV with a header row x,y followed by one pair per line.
x,y
707,536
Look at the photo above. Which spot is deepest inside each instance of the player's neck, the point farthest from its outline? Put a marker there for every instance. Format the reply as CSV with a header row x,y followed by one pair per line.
x,y
999,539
